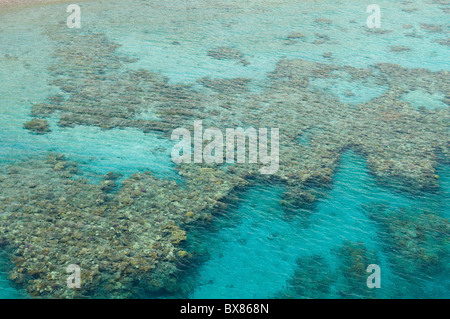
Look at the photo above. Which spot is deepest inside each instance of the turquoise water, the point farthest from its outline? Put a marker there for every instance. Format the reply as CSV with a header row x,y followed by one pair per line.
x,y
8,291
255,251
254,248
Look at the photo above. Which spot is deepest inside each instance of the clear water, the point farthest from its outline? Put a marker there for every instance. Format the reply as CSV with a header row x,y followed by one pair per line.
x,y
252,250
255,252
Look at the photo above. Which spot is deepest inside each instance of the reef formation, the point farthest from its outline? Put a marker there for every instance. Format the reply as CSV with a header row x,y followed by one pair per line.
x,y
128,239
127,243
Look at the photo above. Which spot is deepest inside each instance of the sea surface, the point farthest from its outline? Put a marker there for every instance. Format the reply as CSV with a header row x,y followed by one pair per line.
x,y
253,249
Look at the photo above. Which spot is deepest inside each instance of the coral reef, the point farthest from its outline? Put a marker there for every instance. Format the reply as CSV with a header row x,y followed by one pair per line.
x,y
399,48
127,243
431,27
445,42
226,86
228,53
37,126
295,36
399,141
416,241
323,21
312,279
129,239
355,258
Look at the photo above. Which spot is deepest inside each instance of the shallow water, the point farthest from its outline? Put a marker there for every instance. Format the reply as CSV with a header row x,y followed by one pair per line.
x,y
258,234
254,248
